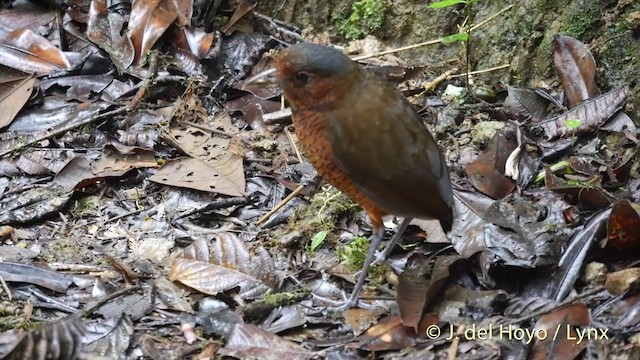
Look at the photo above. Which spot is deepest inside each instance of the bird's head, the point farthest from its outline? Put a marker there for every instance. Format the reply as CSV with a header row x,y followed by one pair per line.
x,y
315,76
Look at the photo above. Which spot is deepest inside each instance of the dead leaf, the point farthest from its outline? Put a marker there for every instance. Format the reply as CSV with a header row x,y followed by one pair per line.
x,y
623,227
564,323
231,266
486,172
13,95
196,174
388,334
415,290
576,68
105,29
591,114
29,52
150,19
251,342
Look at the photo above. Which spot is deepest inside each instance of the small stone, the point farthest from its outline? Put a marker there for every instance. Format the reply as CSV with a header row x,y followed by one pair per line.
x,y
595,273
484,131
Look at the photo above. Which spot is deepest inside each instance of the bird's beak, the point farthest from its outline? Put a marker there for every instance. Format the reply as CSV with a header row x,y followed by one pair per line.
x,y
266,77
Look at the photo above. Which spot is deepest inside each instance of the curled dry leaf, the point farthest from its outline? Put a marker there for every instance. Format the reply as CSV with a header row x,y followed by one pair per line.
x,y
486,173
591,115
27,51
61,340
231,265
150,19
576,68
623,227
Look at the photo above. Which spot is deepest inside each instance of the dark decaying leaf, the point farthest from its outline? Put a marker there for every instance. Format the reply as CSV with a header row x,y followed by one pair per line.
x,y
28,274
576,69
81,172
109,339
416,290
563,322
134,305
81,87
623,227
238,53
570,264
513,231
242,18
32,205
14,93
520,307
232,265
61,340
587,195
527,101
251,342
105,29
54,115
486,173
252,107
591,115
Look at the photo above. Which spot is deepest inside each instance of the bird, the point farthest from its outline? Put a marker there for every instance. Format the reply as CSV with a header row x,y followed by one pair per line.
x,y
366,139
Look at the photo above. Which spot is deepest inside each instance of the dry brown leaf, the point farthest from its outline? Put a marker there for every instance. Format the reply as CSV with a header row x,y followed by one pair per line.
x,y
150,19
198,175
29,52
13,95
231,266
576,68
223,169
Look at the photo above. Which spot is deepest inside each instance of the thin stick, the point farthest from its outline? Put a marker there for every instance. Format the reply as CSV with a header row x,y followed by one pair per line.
x,y
495,68
430,42
433,83
97,116
6,288
293,144
282,203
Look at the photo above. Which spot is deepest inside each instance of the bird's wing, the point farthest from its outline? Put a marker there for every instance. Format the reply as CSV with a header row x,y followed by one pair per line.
x,y
385,148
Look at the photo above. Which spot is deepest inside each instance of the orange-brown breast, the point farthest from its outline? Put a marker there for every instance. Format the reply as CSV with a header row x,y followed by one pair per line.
x,y
312,132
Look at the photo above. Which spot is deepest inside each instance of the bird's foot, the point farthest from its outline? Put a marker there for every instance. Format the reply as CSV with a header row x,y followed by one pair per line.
x,y
381,257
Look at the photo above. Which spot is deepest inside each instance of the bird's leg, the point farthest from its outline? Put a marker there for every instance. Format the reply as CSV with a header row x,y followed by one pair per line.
x,y
376,238
382,256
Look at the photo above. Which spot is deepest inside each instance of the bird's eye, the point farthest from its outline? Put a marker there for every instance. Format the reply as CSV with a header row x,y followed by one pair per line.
x,y
303,77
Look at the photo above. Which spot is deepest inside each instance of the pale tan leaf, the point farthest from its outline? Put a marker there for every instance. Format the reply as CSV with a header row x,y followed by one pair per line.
x,y
13,96
195,174
231,265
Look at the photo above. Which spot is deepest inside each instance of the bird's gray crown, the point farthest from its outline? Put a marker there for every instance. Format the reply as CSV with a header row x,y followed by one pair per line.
x,y
318,59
